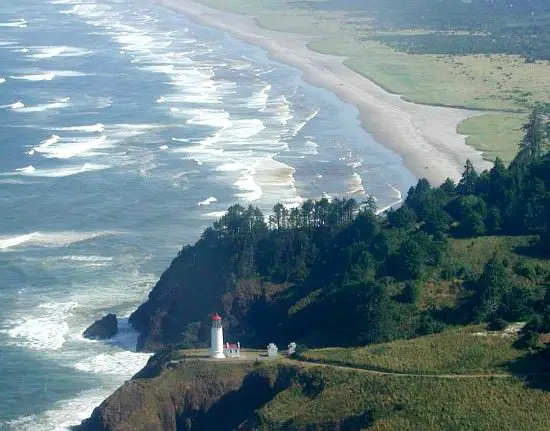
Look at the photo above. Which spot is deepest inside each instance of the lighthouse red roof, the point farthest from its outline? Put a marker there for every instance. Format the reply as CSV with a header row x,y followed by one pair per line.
x,y
216,316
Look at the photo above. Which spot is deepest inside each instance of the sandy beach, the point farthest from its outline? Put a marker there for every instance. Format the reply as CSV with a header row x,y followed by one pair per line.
x,y
424,136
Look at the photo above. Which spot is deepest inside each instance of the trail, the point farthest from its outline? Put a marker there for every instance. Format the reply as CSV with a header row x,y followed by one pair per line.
x,y
398,374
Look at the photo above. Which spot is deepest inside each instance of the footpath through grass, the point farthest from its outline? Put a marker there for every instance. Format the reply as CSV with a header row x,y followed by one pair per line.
x,y
471,350
328,399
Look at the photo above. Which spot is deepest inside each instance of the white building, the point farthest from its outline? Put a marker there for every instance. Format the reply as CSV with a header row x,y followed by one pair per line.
x,y
216,338
292,348
272,350
232,350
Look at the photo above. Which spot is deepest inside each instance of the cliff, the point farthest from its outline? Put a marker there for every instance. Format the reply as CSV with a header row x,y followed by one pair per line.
x,y
200,395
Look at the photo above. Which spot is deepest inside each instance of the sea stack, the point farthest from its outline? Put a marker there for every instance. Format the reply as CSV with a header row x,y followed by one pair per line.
x,y
103,328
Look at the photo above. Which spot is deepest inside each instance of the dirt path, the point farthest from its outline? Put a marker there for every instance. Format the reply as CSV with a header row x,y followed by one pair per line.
x,y
397,374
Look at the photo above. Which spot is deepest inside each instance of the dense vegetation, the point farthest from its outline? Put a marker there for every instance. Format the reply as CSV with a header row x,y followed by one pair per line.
x,y
334,273
460,27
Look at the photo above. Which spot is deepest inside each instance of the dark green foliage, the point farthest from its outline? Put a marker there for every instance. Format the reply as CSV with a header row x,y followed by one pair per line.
x,y
411,292
334,273
497,324
529,340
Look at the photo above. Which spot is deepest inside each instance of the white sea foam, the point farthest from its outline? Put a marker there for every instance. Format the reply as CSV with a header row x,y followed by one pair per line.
x,y
259,99
163,147
355,185
44,329
46,52
399,198
15,105
301,125
57,148
57,104
117,363
87,258
208,201
93,128
19,23
310,148
47,76
31,171
249,189
2,80
48,239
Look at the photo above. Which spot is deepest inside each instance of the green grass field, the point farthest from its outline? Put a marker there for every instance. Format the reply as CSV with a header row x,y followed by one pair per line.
x,y
456,351
354,400
488,82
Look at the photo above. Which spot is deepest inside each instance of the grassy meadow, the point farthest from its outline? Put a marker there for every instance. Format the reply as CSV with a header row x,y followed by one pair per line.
x,y
470,350
355,400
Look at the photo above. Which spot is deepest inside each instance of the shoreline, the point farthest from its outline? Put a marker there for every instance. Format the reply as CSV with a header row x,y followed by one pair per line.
x,y
424,136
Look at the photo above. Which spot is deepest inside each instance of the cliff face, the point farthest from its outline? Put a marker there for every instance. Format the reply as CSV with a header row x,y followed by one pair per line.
x,y
194,395
199,281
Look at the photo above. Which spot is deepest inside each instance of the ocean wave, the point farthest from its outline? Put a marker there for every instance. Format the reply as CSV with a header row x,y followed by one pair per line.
x,y
15,105
19,23
355,185
2,80
249,189
31,171
45,328
48,239
21,108
47,76
56,148
113,363
208,201
46,52
93,128
310,148
89,10
259,99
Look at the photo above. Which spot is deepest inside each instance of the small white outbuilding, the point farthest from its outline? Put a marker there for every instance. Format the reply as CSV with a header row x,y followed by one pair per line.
x,y
272,350
292,348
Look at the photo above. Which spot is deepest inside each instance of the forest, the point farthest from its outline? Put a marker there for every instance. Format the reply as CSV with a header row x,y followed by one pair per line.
x,y
335,273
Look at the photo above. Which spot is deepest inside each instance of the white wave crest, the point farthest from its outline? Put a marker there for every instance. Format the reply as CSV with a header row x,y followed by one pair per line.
x,y
2,80
45,52
15,105
93,128
19,23
57,104
31,171
117,363
57,148
48,239
44,329
47,76
208,201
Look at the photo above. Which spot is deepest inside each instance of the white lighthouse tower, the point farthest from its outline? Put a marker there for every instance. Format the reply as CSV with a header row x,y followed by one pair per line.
x,y
216,338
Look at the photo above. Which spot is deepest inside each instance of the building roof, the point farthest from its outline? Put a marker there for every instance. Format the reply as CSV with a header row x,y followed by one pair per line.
x,y
231,346
216,316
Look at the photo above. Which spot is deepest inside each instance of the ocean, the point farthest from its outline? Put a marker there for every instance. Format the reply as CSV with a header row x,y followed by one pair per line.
x,y
125,130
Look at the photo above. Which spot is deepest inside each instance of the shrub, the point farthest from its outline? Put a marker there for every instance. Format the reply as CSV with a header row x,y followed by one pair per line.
x,y
497,324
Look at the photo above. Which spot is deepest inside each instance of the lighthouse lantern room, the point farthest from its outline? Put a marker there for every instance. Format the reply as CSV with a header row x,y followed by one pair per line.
x,y
216,338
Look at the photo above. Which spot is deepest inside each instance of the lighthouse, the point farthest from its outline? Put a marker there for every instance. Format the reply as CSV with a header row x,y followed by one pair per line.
x,y
216,338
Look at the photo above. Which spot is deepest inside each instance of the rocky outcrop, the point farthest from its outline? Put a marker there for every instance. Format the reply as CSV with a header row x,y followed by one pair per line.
x,y
192,395
103,328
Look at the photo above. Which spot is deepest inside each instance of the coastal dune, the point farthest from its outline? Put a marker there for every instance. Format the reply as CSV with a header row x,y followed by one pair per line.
x,y
424,136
